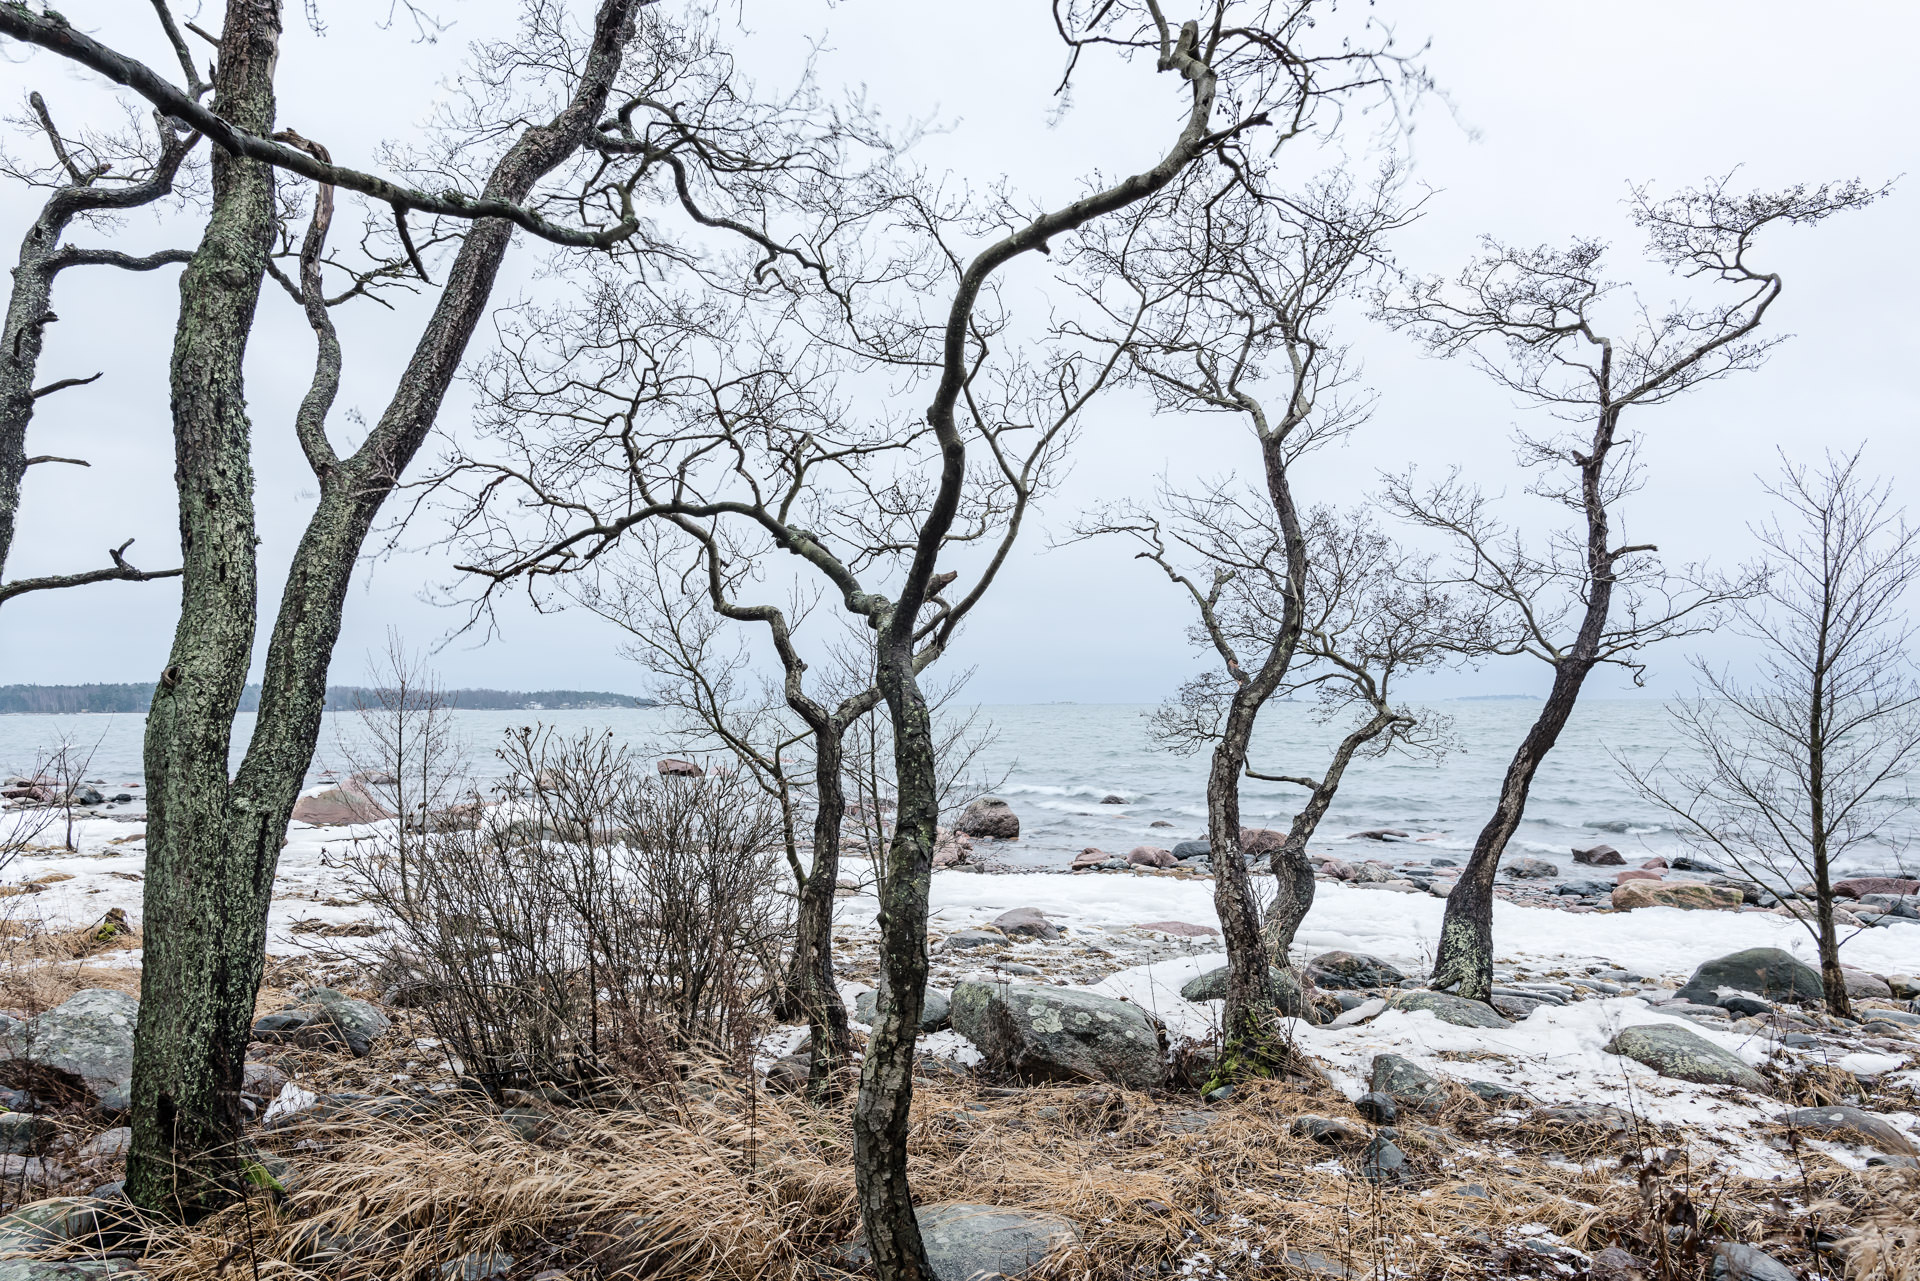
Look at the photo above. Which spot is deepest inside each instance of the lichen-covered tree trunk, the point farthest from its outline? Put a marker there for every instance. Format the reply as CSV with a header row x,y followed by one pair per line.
x,y
880,1121
213,846
201,964
1249,984
812,970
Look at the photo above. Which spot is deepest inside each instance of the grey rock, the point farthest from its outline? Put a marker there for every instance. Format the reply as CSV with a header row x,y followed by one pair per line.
x,y
262,1080
108,1145
1745,1005
1026,922
989,816
23,1132
1492,1091
1384,1163
87,1223
1314,1263
1055,1033
1448,1008
323,1020
1598,889
1733,1261
982,1242
1212,986
1518,1007
1851,1125
1684,1055
1599,856
89,1037
1700,865
1590,1116
1407,1083
1862,984
1192,849
1763,971
68,1269
965,940
1333,1131
933,1009
480,1265
1906,905
1377,1107
1352,970
1530,869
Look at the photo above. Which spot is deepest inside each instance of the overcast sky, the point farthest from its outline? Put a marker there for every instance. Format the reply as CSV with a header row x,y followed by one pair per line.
x,y
1554,109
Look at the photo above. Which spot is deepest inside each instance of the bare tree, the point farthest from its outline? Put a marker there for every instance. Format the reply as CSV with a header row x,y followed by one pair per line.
x,y
1809,763
1536,321
93,179
1236,292
669,127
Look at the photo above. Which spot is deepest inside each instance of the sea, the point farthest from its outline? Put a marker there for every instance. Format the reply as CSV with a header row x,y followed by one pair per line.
x,y
1058,765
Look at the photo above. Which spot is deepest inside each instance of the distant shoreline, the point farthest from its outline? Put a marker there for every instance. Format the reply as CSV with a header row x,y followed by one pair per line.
x,y
134,699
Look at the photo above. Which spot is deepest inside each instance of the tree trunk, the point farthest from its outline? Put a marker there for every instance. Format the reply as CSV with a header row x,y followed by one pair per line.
x,y
880,1120
812,970
206,891
213,847
1249,1002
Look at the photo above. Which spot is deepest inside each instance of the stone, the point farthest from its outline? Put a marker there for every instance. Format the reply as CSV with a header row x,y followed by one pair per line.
x,y
1377,1107
1160,822
1745,1005
324,1020
1688,895
69,1269
1384,1163
1530,869
1288,997
966,940
1026,922
1862,984
934,1009
1151,856
965,1242
1041,1032
1861,886
1684,1055
1516,1008
1407,1084
339,807
1370,873
1851,1125
951,848
1699,865
22,1133
1259,842
89,1038
1334,1132
1192,849
1182,929
481,1265
1379,834
1590,1116
1762,971
1598,889
674,767
1090,857
1113,800
1615,1264
1492,1091
108,1145
1636,874
1448,1008
1599,856
1733,1261
92,1224
1352,970
990,817
1316,1264
1906,905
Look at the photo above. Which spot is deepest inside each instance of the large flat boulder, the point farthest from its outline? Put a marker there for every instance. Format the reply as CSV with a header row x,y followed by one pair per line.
x,y
89,1037
982,1242
339,807
1407,1083
1040,1032
1851,1125
1861,886
1691,896
1212,986
1352,970
934,1008
1684,1055
1764,971
1448,1008
990,817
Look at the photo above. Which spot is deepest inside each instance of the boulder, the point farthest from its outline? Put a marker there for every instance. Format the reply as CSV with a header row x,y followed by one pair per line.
x,y
1530,869
1330,1130
951,848
1151,856
1212,986
1685,864
1110,799
1861,886
1376,1107
1057,1033
1599,856
1370,874
75,1223
674,767
1182,929
1336,868
1352,970
966,940
1907,905
1590,1116
1763,971
1091,856
934,1009
1192,849
1851,1125
1379,834
1596,889
1384,1163
1688,895
977,1242
324,1019
1861,983
1637,874
1407,1084
1684,1055
991,817
1259,842
1026,923
1446,1007
89,1038
338,807
1733,1261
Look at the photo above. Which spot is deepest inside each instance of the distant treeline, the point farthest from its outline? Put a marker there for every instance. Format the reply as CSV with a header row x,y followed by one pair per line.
x,y
68,699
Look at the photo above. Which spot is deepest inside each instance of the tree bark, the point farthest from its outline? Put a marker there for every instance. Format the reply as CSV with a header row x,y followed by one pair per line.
x,y
811,973
213,847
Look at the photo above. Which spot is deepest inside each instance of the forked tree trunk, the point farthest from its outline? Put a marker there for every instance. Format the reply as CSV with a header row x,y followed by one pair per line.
x,y
213,845
1249,1001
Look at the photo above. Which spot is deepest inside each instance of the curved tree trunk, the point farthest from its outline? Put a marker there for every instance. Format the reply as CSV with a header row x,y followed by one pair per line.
x,y
1249,1000
811,974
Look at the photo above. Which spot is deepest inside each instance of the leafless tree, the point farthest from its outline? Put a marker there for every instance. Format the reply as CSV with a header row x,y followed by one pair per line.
x,y
1539,323
1235,293
1809,763
574,136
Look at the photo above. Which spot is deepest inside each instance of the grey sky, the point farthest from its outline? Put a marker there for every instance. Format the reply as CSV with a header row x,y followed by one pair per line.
x,y
1556,108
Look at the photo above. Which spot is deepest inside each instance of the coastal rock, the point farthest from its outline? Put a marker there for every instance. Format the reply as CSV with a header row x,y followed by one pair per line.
x,y
1407,1084
1763,971
1595,889
1599,856
1590,1116
1683,863
1684,1055
1053,1033
990,817
1336,868
966,940
89,1037
1092,856
1530,869
88,1224
674,767
1687,895
1182,929
1384,1163
1851,1125
934,1009
951,848
1192,849
1516,1007
1151,856
324,1019
1333,1131
1259,842
1352,970
1637,874
1370,873
1379,834
338,807
1860,983
975,1242
1734,1261
1212,986
1376,1107
1448,1008
1113,800
1026,922
1861,886
1907,905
